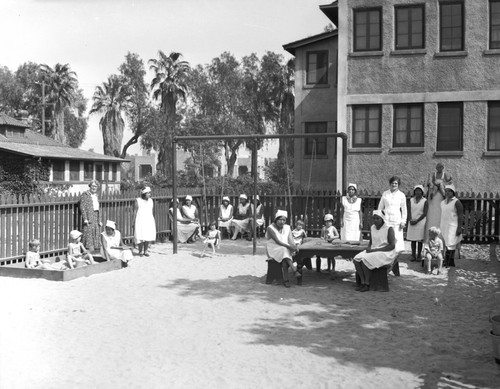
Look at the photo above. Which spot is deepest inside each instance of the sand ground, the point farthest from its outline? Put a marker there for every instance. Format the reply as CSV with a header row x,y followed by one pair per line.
x,y
183,321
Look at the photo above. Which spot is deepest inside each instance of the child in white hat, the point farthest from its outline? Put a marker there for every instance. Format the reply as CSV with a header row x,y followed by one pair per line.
x,y
328,233
78,256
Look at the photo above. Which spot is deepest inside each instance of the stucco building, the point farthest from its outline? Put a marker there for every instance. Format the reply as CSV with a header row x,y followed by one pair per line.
x,y
419,82
315,108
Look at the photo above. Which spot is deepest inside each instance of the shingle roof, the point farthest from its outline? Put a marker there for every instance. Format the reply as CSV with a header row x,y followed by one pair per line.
x,y
290,47
7,120
38,145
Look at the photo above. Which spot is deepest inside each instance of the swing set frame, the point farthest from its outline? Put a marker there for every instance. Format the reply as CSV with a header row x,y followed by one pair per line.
x,y
255,137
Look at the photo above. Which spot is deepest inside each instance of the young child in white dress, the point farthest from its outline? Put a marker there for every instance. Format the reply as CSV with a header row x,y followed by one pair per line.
x,y
33,260
298,233
212,239
434,250
328,233
78,256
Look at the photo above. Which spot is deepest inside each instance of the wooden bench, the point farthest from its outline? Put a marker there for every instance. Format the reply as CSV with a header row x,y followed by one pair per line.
x,y
274,271
379,280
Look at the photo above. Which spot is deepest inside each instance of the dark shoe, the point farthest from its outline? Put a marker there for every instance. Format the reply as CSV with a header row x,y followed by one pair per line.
x,y
413,259
365,288
286,284
146,254
359,287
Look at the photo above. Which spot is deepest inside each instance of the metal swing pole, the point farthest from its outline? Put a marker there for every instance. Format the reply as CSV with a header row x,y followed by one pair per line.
x,y
255,173
174,193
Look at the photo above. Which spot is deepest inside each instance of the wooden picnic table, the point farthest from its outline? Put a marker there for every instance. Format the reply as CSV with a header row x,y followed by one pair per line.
x,y
322,248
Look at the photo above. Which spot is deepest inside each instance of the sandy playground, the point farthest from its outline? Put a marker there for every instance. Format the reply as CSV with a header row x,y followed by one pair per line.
x,y
189,322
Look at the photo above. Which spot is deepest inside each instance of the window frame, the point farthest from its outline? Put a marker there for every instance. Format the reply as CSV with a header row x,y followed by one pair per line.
x,y
72,172
459,105
408,125
356,11
366,142
462,43
88,175
410,46
489,127
317,82
59,163
320,141
490,45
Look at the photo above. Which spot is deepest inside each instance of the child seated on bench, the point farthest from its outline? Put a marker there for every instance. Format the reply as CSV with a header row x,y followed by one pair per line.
x,y
381,251
433,250
212,239
78,256
298,233
328,233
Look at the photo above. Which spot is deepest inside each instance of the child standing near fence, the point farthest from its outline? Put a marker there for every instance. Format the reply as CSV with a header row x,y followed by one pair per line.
x,y
212,239
328,233
78,255
298,233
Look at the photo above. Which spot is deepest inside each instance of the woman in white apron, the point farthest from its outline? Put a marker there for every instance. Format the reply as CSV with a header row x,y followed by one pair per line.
x,y
452,212
351,218
225,215
435,194
416,227
393,203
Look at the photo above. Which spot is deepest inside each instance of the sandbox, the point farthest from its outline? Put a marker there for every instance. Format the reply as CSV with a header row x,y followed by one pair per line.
x,y
18,270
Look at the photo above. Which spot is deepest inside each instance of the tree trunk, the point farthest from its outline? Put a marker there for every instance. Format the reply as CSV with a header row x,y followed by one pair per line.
x,y
230,153
59,134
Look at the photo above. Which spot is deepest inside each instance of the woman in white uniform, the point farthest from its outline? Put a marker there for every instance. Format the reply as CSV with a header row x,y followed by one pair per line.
x,y
416,228
144,225
393,203
452,212
351,218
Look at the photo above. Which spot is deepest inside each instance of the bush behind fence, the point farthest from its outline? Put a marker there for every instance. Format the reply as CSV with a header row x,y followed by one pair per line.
x,y
50,219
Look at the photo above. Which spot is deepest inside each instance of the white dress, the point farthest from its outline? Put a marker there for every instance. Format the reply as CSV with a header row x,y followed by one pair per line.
x,y
379,258
434,198
394,206
124,255
144,227
416,232
351,230
243,223
225,213
185,228
449,224
273,249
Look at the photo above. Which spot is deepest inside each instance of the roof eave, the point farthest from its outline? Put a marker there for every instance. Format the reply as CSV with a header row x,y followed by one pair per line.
x,y
331,11
290,47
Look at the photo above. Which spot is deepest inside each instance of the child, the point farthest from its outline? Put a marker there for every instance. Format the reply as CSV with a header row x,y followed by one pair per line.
x,y
78,256
434,250
212,239
299,234
328,233
33,260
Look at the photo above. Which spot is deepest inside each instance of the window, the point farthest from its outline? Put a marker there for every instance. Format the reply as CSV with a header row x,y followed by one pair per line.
x,y
366,125
145,171
450,122
451,26
494,24
317,67
74,170
106,171
114,173
242,170
408,125
98,172
410,28
58,168
315,146
367,29
88,171
494,126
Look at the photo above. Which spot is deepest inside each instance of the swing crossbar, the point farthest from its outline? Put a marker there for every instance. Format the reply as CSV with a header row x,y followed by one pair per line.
x,y
175,139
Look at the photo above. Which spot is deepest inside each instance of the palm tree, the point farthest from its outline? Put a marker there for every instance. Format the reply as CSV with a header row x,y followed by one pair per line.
x,y
169,86
111,101
62,85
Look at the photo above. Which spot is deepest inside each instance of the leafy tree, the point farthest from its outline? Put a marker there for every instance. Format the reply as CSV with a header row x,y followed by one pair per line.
x,y
75,123
111,102
62,85
10,92
133,73
169,88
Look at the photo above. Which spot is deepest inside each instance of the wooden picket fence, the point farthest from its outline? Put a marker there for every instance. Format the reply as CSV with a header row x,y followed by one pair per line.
x,y
50,219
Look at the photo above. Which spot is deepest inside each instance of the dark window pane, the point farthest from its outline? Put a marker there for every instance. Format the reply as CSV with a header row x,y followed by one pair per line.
x,y
74,171
451,26
114,172
58,168
494,126
449,137
494,24
408,125
409,27
366,126
317,67
316,146
88,171
367,29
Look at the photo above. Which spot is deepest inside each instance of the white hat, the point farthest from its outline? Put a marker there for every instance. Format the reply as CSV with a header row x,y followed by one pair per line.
x,y
328,216
145,190
256,197
280,213
75,234
378,213
225,198
451,187
111,224
243,196
353,185
188,197
418,187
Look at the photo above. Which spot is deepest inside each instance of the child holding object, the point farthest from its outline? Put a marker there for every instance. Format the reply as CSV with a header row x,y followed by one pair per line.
x,y
212,239
78,256
328,233
433,250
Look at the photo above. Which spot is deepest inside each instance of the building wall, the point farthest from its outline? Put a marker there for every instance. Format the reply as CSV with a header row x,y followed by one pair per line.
x,y
316,104
421,76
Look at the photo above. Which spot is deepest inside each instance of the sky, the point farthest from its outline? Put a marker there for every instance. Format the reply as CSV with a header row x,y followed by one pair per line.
x,y
94,36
